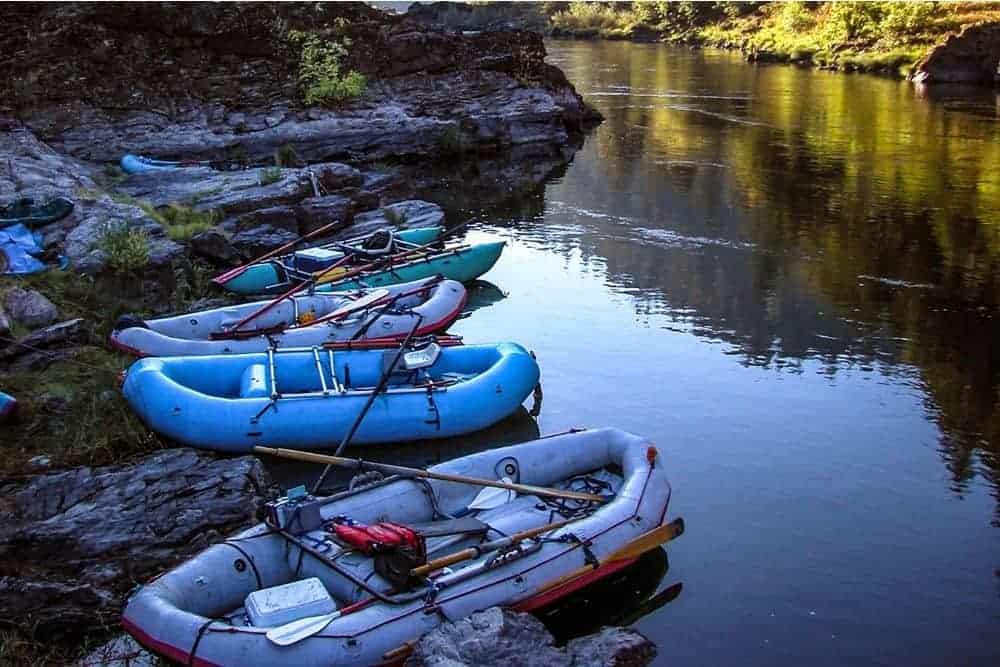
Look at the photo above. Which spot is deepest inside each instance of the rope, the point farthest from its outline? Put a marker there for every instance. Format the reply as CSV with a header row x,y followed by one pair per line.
x,y
570,508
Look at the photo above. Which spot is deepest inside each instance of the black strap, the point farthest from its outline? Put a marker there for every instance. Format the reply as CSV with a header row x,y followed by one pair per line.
x,y
197,640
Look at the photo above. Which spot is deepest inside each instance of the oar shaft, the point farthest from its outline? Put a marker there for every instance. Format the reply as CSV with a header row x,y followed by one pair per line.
x,y
383,381
528,489
321,276
475,552
232,273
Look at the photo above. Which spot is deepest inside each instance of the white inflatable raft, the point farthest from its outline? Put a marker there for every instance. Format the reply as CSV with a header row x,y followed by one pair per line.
x,y
305,320
199,613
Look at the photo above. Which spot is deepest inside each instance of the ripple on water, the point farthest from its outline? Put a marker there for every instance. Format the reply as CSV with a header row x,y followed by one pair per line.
x,y
677,240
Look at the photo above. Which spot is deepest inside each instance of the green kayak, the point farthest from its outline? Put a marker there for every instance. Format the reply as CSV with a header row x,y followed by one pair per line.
x,y
463,264
281,272
25,211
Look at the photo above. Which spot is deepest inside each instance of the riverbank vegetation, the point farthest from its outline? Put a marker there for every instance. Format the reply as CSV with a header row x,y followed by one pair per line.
x,y
866,36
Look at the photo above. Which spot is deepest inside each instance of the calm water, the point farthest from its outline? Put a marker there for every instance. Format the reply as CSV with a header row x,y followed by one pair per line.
x,y
789,280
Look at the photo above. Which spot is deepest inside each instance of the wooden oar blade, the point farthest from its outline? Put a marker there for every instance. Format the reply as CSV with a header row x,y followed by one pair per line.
x,y
649,541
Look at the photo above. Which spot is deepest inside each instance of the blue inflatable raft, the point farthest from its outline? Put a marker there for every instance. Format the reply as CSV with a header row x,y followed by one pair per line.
x,y
8,406
138,164
232,403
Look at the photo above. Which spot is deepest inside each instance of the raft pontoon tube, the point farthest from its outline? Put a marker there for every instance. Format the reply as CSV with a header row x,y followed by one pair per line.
x,y
199,613
297,321
290,398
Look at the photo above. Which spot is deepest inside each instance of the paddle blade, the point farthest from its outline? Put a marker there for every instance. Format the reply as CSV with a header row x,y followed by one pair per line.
x,y
492,496
650,540
296,631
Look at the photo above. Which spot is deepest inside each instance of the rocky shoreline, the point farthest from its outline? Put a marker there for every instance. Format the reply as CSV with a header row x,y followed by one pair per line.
x,y
209,82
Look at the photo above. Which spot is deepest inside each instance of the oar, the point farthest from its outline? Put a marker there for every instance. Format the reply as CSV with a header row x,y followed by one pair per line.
x,y
228,333
296,631
633,549
526,489
383,381
485,547
240,270
321,276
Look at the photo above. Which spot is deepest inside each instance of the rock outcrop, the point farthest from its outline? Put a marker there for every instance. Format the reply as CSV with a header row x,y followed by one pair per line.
x,y
500,637
73,542
213,81
971,56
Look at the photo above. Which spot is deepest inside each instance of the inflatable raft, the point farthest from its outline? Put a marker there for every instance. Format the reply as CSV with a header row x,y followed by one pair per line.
x,y
305,320
138,164
291,269
308,398
8,406
220,607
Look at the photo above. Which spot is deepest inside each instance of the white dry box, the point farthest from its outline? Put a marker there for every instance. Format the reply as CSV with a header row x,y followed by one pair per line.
x,y
271,607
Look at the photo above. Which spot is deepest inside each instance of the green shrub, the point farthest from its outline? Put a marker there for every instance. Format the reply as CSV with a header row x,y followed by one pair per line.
x,y
320,74
127,247
270,175
183,222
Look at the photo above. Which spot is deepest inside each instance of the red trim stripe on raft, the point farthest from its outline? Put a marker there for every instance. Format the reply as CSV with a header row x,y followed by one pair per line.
x,y
163,648
439,325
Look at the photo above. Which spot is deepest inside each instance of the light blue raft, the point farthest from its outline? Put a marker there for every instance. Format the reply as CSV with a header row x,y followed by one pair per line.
x,y
137,164
230,403
8,406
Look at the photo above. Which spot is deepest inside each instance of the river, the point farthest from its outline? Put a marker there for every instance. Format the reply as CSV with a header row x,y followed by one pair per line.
x,y
788,279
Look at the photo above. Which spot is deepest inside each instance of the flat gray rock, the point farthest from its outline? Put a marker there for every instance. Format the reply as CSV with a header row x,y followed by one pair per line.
x,y
85,536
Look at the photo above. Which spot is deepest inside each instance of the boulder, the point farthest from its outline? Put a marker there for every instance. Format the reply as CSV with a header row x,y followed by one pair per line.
x,y
75,541
30,308
971,56
410,213
82,244
255,242
315,212
214,244
501,638
334,176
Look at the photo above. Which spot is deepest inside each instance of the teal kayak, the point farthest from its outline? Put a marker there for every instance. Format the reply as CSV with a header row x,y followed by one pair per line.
x,y
463,264
26,212
283,271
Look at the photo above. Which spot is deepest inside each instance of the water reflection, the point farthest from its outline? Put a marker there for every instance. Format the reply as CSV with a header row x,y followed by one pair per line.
x,y
618,600
519,427
483,294
796,215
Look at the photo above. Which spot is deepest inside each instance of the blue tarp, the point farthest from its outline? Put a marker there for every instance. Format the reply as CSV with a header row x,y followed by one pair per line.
x,y
20,245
